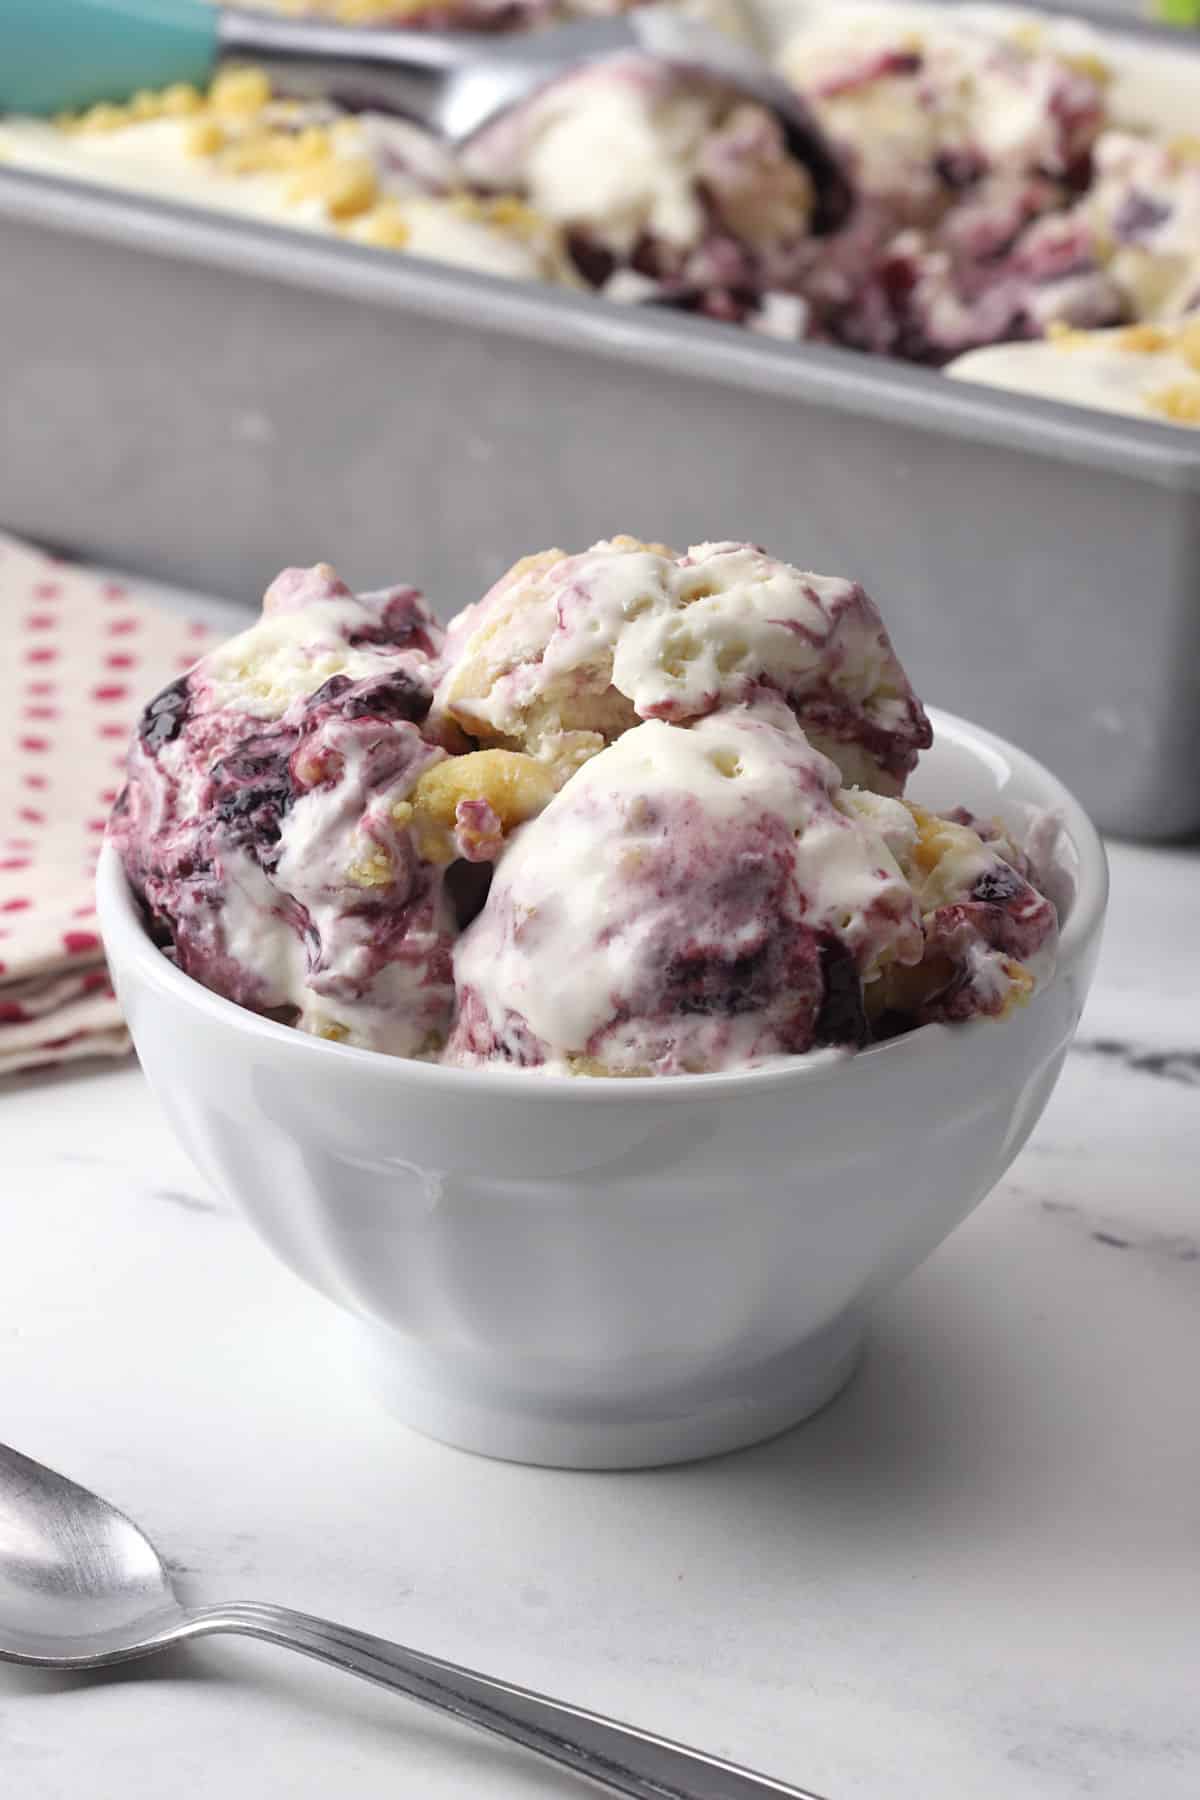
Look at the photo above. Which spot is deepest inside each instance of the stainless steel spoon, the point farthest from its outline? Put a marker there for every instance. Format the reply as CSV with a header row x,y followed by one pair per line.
x,y
82,1587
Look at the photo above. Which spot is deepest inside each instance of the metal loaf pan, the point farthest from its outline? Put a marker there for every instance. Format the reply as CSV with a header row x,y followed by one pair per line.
x,y
205,399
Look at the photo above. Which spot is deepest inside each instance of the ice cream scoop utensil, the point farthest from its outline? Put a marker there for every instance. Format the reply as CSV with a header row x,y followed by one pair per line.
x,y
56,55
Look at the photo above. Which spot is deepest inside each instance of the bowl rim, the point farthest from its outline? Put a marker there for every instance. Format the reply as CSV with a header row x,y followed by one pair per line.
x,y
130,948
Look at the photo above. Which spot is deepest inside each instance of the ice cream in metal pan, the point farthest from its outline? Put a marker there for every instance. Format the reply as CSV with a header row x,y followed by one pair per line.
x,y
988,176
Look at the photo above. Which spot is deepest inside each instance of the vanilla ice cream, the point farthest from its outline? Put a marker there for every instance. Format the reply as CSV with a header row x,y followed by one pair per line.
x,y
1145,371
240,149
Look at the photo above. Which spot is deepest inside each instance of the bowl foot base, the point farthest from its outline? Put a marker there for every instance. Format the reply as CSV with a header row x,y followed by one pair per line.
x,y
434,1396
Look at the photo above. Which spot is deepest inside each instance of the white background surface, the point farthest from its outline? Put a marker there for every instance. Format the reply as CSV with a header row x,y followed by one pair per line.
x,y
975,1577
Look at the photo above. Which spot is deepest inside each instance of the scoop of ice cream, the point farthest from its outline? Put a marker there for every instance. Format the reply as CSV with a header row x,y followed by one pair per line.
x,y
567,652
989,934
288,824
926,108
695,898
961,141
666,187
1145,371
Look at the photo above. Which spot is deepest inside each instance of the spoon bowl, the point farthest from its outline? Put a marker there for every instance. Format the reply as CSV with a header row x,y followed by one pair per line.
x,y
78,1580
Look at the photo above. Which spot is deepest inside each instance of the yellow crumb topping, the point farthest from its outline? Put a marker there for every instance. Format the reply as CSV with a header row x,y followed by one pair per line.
x,y
1188,344
232,127
384,226
204,138
1175,400
1086,62
1066,337
233,94
347,187
1021,984
240,91
181,100
243,130
1178,401
1143,338
105,117
935,838
1030,36
506,212
263,150
1185,149
373,869
591,1065
514,785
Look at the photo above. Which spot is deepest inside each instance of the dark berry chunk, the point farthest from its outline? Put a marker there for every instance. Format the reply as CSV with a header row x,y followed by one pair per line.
x,y
328,692
711,984
731,306
166,716
402,621
593,261
1139,214
253,793
468,884
998,885
842,1018
396,695
960,168
646,258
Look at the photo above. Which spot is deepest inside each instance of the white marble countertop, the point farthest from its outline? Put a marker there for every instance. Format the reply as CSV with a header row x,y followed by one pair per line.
x,y
975,1577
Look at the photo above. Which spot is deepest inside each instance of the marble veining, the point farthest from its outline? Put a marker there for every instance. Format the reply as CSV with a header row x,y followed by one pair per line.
x,y
189,1202
1124,1234
973,1577
1167,1065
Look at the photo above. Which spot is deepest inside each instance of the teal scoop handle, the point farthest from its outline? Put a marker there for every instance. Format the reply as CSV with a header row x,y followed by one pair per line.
x,y
59,55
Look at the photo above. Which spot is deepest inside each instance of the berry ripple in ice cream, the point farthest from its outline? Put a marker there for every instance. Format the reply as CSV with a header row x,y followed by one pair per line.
x,y
632,813
566,652
967,149
282,818
667,189
692,899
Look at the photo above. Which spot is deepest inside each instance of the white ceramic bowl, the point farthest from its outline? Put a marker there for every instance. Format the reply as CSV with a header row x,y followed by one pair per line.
x,y
606,1273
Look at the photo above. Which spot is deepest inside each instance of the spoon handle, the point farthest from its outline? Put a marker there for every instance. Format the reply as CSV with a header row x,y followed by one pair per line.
x,y
618,1757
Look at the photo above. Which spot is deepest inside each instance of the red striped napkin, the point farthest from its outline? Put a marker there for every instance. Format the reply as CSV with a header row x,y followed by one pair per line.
x,y
79,656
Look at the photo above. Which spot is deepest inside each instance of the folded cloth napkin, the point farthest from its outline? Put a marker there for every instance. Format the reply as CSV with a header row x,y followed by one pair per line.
x,y
79,654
